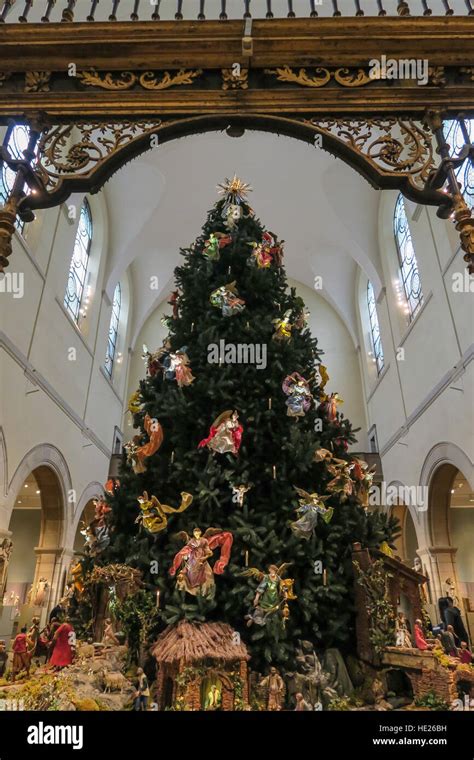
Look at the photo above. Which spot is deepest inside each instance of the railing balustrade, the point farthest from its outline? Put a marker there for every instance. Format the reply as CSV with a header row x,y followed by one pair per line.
x,y
70,11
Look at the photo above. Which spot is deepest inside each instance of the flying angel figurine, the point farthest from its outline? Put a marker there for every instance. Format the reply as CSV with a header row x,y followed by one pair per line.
x,y
311,505
341,483
153,514
176,367
299,395
225,435
136,453
227,299
213,245
272,595
195,575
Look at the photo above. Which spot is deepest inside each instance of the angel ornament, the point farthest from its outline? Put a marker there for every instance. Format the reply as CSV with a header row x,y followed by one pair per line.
x,y
272,595
322,378
363,476
329,404
311,506
238,493
195,575
227,299
283,327
135,402
299,395
341,483
176,367
225,435
212,247
267,251
96,534
154,360
153,514
136,453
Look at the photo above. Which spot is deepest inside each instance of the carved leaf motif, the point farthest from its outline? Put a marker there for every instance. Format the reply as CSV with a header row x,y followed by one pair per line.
x,y
92,78
149,80
233,81
436,75
287,74
343,76
37,81
348,78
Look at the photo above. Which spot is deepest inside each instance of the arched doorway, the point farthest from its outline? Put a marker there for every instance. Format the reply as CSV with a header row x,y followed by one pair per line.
x,y
36,527
461,532
451,526
406,544
85,519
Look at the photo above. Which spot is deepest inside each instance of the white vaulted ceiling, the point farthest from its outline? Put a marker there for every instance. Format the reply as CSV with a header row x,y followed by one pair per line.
x,y
323,209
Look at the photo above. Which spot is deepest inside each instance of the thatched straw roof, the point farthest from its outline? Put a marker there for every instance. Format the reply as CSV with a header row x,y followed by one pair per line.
x,y
192,642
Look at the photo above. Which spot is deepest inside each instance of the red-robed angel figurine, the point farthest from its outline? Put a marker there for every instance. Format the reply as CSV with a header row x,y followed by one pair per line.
x,y
225,435
196,576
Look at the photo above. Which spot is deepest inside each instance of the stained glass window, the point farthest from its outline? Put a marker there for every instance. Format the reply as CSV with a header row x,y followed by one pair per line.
x,y
16,142
407,259
374,328
456,140
113,330
74,295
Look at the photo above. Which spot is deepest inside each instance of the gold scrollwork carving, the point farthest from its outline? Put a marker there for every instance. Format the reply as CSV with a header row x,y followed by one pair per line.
x,y
37,81
390,144
78,149
235,80
322,76
148,80
436,75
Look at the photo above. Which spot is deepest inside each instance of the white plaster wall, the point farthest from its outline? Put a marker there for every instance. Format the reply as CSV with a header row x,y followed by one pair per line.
x,y
427,397
46,398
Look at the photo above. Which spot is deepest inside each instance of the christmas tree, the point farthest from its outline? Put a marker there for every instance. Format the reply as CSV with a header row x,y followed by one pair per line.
x,y
239,435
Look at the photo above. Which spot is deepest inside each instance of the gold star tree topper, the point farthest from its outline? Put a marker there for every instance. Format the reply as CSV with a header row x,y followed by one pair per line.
x,y
234,189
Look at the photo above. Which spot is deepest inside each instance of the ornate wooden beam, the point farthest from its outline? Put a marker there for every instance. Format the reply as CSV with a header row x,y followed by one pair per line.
x,y
295,66
307,78
213,44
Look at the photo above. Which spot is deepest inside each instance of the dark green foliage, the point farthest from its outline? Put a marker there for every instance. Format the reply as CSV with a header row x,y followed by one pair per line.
x,y
136,615
321,614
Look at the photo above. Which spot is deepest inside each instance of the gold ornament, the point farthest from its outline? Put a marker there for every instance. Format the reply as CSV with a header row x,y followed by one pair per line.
x,y
153,514
135,402
234,189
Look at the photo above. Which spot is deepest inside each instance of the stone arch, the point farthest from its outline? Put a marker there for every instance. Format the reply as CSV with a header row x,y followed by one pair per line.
x,y
438,472
50,471
47,455
404,543
3,464
441,466
91,491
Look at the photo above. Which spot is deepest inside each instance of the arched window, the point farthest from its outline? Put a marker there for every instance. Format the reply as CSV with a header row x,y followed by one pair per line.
x,y
113,330
456,138
74,295
16,142
377,349
407,259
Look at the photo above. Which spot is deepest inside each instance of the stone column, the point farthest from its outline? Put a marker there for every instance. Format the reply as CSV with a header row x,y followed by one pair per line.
x,y
440,564
47,565
5,553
